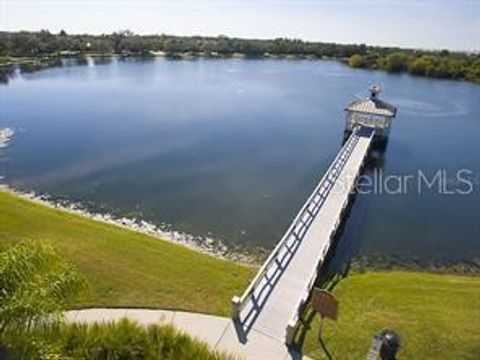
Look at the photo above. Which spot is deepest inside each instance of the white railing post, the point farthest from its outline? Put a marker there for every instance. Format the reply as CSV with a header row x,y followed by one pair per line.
x,y
290,332
236,307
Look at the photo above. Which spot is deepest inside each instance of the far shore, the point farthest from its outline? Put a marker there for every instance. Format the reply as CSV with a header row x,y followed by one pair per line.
x,y
48,59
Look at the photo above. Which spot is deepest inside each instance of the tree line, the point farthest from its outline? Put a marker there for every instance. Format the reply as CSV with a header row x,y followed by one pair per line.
x,y
439,64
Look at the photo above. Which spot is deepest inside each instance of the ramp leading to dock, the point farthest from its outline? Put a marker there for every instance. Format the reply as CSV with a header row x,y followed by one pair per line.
x,y
272,302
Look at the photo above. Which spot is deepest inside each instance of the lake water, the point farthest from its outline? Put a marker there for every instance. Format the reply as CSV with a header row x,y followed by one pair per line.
x,y
232,148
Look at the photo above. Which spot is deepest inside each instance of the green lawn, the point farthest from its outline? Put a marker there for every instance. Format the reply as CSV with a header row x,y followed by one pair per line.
x,y
125,268
438,316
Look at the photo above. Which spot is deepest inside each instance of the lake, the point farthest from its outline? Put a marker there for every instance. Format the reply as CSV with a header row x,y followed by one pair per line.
x,y
232,148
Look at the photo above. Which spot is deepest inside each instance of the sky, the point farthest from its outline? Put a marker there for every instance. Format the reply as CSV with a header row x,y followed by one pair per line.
x,y
428,24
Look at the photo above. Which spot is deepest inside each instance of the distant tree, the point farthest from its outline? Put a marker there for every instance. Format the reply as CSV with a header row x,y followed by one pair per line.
x,y
4,44
47,42
444,52
101,45
473,72
225,46
396,62
119,40
423,65
362,49
357,61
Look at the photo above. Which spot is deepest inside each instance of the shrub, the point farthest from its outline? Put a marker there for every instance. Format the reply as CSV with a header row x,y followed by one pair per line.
x,y
35,285
396,62
357,61
128,340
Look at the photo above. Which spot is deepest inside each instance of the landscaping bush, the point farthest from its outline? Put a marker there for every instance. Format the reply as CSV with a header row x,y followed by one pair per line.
x,y
128,340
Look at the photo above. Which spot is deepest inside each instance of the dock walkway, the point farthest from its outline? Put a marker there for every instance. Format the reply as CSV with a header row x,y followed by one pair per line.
x,y
273,300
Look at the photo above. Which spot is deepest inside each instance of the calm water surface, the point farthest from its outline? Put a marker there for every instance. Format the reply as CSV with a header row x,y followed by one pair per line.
x,y
231,148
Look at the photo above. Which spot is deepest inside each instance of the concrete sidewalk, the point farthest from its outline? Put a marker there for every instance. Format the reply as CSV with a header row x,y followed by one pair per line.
x,y
218,332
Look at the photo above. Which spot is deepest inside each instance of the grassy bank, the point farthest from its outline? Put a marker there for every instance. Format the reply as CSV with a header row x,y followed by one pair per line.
x,y
438,316
125,268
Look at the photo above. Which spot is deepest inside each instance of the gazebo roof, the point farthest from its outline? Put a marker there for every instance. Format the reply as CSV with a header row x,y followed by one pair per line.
x,y
372,105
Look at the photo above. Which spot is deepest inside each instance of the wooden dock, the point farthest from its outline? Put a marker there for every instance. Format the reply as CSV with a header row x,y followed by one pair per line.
x,y
272,302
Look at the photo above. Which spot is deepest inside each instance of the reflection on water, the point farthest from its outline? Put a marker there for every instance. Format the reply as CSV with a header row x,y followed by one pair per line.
x,y
231,148
101,60
6,73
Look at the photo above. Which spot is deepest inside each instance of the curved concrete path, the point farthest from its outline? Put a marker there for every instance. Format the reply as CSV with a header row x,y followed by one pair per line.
x,y
218,332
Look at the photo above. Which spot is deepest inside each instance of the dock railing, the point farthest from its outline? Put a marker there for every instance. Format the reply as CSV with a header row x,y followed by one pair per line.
x,y
302,220
292,323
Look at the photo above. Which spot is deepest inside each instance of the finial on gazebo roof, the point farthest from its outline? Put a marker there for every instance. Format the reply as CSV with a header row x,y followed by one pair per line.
x,y
372,105
374,91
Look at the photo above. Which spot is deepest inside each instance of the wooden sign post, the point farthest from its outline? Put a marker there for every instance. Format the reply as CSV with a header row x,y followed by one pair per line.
x,y
326,304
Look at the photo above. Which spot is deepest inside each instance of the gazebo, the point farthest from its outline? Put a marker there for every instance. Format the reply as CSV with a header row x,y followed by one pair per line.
x,y
371,112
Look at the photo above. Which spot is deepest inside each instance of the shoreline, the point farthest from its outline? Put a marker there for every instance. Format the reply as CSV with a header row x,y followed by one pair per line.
x,y
205,245
253,257
8,63
49,59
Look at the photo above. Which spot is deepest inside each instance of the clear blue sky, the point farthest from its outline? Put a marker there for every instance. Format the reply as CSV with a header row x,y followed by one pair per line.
x,y
453,24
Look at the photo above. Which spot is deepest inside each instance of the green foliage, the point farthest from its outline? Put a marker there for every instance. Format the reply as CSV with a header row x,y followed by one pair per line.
x,y
35,285
396,62
128,340
444,65
423,65
473,72
35,282
114,340
440,64
357,61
